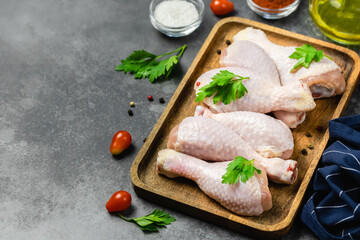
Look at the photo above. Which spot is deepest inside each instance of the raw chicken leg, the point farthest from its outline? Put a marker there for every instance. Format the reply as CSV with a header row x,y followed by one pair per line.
x,y
208,139
250,55
324,78
251,198
266,135
262,95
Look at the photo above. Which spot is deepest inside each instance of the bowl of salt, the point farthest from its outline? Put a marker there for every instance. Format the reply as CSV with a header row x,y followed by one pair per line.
x,y
176,18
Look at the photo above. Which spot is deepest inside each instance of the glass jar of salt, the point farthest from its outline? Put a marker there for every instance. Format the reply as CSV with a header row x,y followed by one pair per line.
x,y
176,18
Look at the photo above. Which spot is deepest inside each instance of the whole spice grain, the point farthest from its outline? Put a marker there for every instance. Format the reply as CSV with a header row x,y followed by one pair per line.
x,y
304,152
319,128
161,100
150,98
308,135
132,104
130,112
273,4
228,42
310,146
218,51
144,139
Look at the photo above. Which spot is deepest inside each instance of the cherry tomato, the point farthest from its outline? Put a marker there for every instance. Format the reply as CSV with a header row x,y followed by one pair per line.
x,y
119,201
120,141
221,7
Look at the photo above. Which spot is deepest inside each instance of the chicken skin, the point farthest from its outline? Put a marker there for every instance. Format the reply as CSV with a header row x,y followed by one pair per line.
x,y
266,135
246,54
250,198
262,95
324,78
208,139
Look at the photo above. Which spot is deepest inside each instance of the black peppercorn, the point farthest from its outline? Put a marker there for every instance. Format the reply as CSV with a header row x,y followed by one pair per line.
x,y
161,100
218,51
304,152
308,135
228,42
130,112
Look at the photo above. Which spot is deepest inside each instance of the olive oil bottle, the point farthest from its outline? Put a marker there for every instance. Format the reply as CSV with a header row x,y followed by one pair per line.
x,y
337,19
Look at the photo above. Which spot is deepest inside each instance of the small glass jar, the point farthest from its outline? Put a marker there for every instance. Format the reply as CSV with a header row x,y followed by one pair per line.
x,y
177,31
273,13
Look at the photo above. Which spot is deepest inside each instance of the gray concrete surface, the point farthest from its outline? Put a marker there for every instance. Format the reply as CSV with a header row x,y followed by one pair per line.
x,y
61,102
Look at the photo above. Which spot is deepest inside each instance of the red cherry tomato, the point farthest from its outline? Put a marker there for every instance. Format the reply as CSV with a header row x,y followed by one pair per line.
x,y
120,141
221,7
119,201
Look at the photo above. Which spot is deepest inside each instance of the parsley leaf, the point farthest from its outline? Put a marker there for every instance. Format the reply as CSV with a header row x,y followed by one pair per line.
x,y
226,86
239,168
146,65
152,221
306,54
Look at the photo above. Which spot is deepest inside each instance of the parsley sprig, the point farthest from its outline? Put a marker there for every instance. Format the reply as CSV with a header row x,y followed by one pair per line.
x,y
306,54
226,86
240,168
146,65
152,221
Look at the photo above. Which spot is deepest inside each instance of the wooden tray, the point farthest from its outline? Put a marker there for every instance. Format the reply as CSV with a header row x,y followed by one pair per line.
x,y
184,195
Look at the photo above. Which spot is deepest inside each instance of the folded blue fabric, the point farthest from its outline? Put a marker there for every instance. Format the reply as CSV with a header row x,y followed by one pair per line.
x,y
333,210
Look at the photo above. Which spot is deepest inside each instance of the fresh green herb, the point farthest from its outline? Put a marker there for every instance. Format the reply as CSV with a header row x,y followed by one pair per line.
x,y
239,168
152,221
306,54
226,86
145,64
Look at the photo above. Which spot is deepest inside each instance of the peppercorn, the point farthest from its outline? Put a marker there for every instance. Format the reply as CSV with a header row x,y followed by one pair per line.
x,y
130,112
161,100
319,128
198,84
310,146
132,104
144,139
228,42
304,152
218,51
308,135
150,98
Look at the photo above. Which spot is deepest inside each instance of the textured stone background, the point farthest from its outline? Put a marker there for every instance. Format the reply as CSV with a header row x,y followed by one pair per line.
x,y
61,102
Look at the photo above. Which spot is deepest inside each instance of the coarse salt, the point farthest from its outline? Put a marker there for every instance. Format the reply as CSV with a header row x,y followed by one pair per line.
x,y
176,13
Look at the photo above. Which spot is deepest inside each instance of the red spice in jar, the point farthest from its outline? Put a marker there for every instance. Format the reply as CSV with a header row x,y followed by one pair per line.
x,y
273,4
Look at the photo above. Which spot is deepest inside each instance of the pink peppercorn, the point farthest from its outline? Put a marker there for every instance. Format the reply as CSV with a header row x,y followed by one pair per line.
x,y
150,98
319,128
198,84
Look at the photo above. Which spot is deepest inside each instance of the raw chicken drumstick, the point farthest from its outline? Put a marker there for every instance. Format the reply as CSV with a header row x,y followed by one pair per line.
x,y
262,96
208,139
251,198
324,78
266,135
250,55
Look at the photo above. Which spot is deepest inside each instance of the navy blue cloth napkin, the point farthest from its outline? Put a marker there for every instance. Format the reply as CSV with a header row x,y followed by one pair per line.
x,y
333,211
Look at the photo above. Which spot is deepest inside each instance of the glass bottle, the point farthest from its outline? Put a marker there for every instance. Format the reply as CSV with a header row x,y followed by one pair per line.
x,y
337,19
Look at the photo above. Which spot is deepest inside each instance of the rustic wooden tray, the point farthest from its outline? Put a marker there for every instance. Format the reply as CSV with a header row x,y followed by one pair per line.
x,y
184,195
